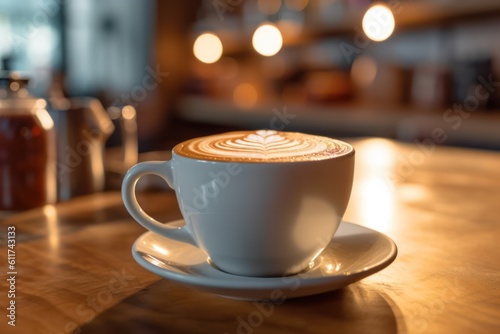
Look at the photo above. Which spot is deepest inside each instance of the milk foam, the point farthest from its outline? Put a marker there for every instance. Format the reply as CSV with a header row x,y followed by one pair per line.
x,y
262,146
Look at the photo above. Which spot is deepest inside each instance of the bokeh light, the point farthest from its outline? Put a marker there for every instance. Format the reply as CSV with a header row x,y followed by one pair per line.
x,y
269,7
290,28
296,5
207,48
363,71
378,23
267,40
245,95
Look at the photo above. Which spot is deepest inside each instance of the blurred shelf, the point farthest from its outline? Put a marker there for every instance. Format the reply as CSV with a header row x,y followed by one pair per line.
x,y
415,14
293,118
408,15
441,12
480,129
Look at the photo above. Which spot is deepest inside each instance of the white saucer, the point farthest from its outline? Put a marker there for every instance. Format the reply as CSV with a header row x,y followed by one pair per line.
x,y
355,252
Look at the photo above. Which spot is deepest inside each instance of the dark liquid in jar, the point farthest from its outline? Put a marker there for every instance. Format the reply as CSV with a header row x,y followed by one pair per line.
x,y
24,163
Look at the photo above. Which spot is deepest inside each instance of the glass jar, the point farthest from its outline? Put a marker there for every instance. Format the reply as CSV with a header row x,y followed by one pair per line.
x,y
27,148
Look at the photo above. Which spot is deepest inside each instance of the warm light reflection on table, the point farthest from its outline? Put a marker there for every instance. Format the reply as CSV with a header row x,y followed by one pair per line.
x,y
377,201
373,194
50,214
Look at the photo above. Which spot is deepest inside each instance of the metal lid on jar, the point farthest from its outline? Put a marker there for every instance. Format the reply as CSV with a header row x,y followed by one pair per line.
x,y
13,81
13,91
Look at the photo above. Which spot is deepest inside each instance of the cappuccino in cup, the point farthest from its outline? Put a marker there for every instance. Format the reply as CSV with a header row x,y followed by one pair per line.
x,y
262,146
258,203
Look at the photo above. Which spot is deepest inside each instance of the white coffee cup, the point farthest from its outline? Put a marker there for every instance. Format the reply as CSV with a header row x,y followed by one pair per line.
x,y
258,211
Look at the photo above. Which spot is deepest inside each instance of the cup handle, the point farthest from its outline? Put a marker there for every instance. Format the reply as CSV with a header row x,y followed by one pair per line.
x,y
162,169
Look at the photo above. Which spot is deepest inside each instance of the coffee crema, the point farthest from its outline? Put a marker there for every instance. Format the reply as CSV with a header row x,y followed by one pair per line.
x,y
262,146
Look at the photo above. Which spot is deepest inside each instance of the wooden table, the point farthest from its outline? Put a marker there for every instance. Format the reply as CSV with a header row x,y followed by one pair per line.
x,y
75,272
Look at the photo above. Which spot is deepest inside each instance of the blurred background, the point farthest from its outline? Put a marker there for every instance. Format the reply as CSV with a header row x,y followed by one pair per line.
x,y
409,70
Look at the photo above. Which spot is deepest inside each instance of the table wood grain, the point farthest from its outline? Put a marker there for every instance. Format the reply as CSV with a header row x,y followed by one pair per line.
x,y
75,272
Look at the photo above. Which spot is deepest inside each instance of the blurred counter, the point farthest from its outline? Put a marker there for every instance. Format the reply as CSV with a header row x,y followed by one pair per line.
x,y
449,127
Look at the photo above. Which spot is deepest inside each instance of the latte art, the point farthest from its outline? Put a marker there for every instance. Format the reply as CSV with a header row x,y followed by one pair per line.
x,y
262,146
